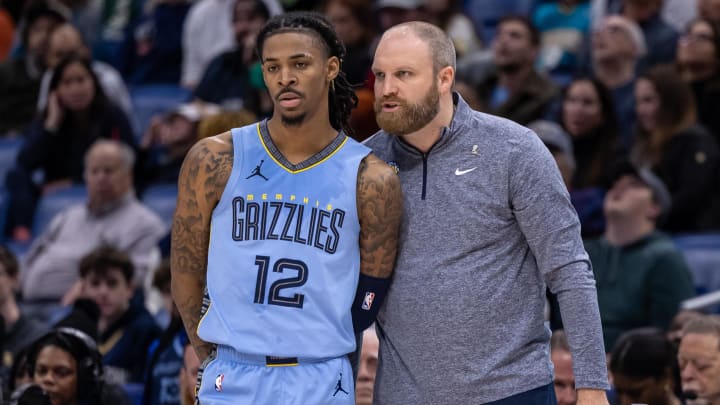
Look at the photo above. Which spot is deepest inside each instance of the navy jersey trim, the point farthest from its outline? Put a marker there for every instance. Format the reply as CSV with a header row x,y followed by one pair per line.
x,y
315,159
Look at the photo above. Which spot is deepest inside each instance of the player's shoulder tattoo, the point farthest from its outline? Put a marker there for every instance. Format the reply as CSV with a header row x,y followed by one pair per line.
x,y
208,165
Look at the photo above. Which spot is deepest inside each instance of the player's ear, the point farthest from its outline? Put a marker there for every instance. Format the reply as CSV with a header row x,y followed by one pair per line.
x,y
333,68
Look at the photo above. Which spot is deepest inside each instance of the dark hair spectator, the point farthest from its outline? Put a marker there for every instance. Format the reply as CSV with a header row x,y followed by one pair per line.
x,y
698,61
516,90
529,26
125,327
20,76
77,114
101,260
230,79
682,153
642,363
82,382
588,115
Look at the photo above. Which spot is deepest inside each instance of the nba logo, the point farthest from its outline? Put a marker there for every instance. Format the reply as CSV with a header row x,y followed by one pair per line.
x,y
218,382
367,301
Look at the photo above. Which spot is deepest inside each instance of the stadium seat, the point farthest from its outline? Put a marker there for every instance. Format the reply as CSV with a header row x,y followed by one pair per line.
x,y
9,148
702,253
161,198
149,100
486,14
51,204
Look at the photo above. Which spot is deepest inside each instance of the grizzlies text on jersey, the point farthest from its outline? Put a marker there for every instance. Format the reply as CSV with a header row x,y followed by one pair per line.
x,y
283,260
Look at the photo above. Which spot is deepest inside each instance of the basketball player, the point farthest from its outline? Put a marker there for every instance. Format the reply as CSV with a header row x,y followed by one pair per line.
x,y
291,227
493,191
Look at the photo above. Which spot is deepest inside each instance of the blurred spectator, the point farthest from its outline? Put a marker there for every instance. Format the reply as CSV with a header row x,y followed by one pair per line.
x,y
20,76
65,41
699,360
709,9
77,114
698,61
188,375
353,22
125,329
228,79
20,373
588,115
516,90
65,363
563,26
564,379
642,364
677,13
111,216
167,141
641,277
617,46
660,38
152,51
559,144
448,15
393,12
682,153
7,31
203,41
165,355
18,329
367,368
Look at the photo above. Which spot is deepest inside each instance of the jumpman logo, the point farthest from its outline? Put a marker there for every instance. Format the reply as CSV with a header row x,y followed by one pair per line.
x,y
256,171
338,386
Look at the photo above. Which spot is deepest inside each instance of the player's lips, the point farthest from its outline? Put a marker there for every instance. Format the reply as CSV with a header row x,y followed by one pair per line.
x,y
289,99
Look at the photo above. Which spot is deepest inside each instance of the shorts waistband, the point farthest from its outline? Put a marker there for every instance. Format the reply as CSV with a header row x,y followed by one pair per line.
x,y
230,354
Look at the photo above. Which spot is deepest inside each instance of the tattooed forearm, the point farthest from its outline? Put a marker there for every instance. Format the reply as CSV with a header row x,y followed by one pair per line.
x,y
202,180
380,210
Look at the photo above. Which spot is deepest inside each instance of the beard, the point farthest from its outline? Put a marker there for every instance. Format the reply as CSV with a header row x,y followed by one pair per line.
x,y
409,117
292,121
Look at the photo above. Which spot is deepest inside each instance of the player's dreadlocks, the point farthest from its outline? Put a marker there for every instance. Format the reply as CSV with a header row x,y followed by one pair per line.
x,y
341,97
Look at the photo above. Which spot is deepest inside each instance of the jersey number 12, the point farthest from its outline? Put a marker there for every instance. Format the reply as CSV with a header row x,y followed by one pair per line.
x,y
280,266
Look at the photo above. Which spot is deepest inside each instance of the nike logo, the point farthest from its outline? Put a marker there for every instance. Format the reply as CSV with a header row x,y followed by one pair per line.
x,y
459,172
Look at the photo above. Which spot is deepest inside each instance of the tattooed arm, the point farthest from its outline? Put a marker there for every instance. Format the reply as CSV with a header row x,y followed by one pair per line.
x,y
380,205
202,180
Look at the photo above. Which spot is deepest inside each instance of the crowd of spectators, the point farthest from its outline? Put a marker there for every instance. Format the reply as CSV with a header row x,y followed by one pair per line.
x,y
624,93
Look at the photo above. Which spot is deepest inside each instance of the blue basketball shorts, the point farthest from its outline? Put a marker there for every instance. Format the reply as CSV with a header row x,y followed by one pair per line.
x,y
232,378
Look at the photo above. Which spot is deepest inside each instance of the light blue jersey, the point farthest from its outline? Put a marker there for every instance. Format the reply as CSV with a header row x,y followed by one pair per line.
x,y
284,260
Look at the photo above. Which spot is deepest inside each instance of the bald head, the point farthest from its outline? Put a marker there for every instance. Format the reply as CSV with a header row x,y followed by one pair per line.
x,y
65,40
440,46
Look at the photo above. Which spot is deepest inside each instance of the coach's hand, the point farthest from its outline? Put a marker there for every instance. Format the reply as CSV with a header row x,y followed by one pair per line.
x,y
586,396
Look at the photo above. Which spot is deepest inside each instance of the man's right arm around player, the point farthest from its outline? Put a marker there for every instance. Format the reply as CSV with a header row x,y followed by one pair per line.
x,y
203,175
380,208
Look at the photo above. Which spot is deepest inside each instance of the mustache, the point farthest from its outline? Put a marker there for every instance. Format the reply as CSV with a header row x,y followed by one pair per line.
x,y
287,90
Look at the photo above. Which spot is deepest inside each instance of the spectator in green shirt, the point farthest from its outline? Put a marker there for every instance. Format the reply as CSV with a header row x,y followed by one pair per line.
x,y
641,276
